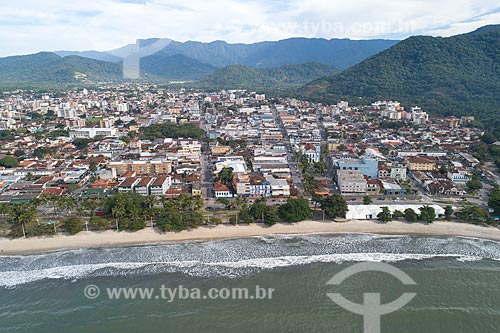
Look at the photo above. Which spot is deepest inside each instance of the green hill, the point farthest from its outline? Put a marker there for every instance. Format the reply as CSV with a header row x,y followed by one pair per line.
x,y
49,68
245,77
176,68
458,75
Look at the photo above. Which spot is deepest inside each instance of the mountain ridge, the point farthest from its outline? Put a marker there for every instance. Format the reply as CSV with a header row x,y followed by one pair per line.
x,y
339,53
456,75
246,77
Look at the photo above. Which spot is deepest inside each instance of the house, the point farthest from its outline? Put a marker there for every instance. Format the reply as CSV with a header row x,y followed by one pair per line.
x,y
222,191
196,188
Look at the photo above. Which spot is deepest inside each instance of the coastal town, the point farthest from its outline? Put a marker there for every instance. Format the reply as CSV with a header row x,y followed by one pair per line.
x,y
65,156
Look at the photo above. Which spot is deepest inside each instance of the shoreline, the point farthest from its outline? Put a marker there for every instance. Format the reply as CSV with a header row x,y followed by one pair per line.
x,y
205,233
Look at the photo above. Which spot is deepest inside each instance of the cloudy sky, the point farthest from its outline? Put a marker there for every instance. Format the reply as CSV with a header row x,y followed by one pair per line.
x,y
29,26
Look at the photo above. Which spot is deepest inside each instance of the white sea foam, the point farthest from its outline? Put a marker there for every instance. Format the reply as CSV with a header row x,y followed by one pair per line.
x,y
10,279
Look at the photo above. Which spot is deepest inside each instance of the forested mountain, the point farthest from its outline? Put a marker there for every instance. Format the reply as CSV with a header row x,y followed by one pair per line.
x,y
339,53
458,75
48,67
176,68
246,77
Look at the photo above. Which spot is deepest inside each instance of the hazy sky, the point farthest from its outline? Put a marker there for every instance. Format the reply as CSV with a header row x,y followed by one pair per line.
x,y
29,26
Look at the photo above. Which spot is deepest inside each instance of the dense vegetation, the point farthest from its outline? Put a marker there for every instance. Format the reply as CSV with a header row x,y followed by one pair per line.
x,y
340,53
176,68
49,68
459,75
168,130
245,77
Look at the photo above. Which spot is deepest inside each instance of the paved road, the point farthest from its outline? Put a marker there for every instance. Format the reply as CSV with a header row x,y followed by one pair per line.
x,y
296,179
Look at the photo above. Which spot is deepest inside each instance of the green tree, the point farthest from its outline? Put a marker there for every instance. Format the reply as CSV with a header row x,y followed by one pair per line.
x,y
65,203
132,225
494,199
410,215
427,214
367,200
224,201
334,206
257,210
244,216
448,212
73,225
93,165
171,222
271,216
320,167
82,143
9,162
19,153
295,210
385,215
310,183
398,214
23,218
474,185
98,223
474,214
317,199
225,176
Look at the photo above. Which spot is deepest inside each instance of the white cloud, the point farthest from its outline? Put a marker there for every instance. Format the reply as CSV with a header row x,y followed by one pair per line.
x,y
30,25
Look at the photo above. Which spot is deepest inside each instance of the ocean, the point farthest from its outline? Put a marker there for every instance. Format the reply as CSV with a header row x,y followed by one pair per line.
x,y
457,286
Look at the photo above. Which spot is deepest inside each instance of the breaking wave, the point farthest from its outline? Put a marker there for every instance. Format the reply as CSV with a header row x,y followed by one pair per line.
x,y
237,257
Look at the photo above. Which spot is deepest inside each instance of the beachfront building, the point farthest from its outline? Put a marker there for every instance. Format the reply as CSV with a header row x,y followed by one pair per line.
x,y
160,186
351,182
370,212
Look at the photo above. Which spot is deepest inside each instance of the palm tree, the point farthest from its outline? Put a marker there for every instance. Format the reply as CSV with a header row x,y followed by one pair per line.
x,y
119,210
22,214
90,205
50,199
65,202
151,201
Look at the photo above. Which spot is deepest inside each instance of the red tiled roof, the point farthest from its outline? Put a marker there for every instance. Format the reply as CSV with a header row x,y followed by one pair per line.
x,y
219,187
53,191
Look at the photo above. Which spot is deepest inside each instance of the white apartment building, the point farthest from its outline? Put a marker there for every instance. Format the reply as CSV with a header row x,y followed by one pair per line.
x,y
89,133
351,182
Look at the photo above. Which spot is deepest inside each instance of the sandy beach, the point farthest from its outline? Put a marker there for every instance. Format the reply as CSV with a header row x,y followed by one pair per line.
x,y
112,238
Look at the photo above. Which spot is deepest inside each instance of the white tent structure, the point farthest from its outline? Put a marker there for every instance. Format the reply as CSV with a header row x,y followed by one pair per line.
x,y
370,212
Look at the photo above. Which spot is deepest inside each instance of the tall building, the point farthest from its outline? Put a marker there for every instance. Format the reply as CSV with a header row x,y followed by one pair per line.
x,y
367,166
351,182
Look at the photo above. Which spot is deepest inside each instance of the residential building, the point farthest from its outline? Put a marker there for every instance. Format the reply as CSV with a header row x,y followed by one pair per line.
x,y
89,133
421,164
367,166
351,182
